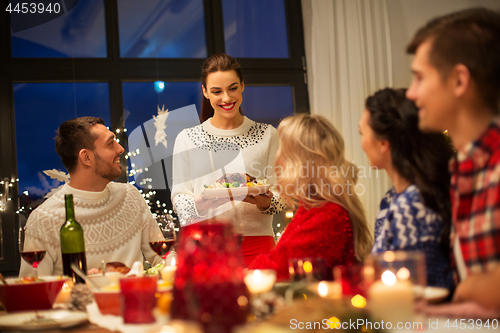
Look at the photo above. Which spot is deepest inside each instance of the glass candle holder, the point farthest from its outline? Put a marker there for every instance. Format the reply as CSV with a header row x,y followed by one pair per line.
x,y
399,281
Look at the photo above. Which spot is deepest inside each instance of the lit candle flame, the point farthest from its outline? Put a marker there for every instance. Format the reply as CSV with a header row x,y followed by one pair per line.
x,y
173,263
403,274
358,301
257,276
322,289
388,278
308,267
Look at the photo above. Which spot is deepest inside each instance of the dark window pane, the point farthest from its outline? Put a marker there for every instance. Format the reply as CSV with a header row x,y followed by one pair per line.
x,y
141,102
163,29
268,104
255,28
40,109
78,33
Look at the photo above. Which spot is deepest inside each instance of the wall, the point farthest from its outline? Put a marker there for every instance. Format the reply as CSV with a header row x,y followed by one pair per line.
x,y
406,16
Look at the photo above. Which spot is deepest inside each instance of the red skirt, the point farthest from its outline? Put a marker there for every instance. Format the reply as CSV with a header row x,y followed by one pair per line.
x,y
252,246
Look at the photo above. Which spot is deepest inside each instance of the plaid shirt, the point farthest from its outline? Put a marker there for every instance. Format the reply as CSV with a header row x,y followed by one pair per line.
x,y
475,199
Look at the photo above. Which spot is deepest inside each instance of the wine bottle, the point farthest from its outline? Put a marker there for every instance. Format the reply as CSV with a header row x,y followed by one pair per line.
x,y
72,243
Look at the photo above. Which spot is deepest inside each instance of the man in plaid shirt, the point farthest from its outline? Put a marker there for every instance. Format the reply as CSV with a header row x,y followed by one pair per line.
x,y
456,86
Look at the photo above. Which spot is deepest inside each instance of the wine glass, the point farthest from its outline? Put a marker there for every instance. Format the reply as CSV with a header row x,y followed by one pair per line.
x,y
31,251
162,235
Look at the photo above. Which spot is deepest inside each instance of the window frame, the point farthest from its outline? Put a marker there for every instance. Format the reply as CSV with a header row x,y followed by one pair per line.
x,y
115,70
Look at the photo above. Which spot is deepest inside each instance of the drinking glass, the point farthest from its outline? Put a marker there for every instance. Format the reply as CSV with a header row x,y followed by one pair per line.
x,y
310,269
162,235
352,279
32,252
138,299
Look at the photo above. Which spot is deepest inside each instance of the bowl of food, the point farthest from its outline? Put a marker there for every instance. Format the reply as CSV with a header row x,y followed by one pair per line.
x,y
25,294
108,302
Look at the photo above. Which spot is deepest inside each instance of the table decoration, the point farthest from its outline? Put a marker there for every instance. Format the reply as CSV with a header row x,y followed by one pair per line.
x,y
208,285
168,272
260,280
397,293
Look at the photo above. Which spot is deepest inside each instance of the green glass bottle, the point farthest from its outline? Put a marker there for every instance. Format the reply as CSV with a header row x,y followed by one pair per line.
x,y
72,242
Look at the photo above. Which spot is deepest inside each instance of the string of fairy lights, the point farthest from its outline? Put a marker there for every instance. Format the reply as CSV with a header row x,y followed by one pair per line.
x,y
145,187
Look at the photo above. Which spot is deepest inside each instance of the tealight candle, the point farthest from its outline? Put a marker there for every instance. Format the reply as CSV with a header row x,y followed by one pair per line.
x,y
64,294
391,299
168,272
259,281
331,290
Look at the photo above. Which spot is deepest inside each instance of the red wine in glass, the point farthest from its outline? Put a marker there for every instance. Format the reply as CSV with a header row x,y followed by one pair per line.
x,y
33,257
162,247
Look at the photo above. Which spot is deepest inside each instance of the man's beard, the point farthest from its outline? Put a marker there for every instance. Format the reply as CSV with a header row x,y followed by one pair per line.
x,y
105,170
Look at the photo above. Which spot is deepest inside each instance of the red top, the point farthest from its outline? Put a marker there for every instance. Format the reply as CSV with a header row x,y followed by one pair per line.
x,y
324,231
475,198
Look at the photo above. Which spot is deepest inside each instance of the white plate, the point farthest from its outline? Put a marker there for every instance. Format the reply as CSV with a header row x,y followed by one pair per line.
x,y
235,192
435,294
48,319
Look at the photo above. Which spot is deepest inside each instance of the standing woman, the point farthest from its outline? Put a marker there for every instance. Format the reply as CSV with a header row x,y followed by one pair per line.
x,y
414,214
314,176
226,142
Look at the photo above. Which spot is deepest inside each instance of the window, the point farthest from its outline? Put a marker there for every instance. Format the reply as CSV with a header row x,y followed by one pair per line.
x,y
102,58
244,38
37,123
74,32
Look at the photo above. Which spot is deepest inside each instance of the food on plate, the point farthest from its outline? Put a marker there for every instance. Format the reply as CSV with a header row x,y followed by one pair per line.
x,y
115,267
155,270
29,279
235,180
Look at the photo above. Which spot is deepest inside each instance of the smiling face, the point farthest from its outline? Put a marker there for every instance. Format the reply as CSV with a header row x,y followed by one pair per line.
x,y
224,90
432,94
107,153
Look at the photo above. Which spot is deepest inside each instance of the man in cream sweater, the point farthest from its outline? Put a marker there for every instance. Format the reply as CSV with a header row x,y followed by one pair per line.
x,y
114,216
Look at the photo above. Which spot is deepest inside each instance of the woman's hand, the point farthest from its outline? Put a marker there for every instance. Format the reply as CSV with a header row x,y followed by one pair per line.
x,y
204,205
262,201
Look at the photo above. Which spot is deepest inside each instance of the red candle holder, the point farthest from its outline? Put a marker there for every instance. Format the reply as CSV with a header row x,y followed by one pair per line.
x,y
208,285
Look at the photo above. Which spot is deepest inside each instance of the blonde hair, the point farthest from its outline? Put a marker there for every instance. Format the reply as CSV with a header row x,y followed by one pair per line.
x,y
311,170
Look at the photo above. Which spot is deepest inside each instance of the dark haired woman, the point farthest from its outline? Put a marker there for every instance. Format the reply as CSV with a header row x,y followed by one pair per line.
x,y
415,213
226,142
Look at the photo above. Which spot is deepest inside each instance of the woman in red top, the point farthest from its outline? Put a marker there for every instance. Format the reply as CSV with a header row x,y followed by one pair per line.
x,y
313,175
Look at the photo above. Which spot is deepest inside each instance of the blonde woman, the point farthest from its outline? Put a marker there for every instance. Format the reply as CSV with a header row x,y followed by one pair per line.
x,y
313,175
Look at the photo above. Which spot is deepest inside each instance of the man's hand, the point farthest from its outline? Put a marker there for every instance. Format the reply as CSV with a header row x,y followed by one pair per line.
x,y
482,288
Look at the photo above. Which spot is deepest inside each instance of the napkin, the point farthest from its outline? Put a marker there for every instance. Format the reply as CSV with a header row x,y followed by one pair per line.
x,y
115,323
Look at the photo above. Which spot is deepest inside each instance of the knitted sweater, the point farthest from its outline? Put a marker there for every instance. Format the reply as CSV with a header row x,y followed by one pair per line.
x,y
115,223
405,223
324,231
204,153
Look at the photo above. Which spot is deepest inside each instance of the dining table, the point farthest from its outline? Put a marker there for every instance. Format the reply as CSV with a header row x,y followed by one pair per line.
x,y
437,318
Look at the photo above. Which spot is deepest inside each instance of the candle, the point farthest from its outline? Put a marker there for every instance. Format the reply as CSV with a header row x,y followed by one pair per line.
x,y
64,294
331,290
391,299
168,272
259,281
